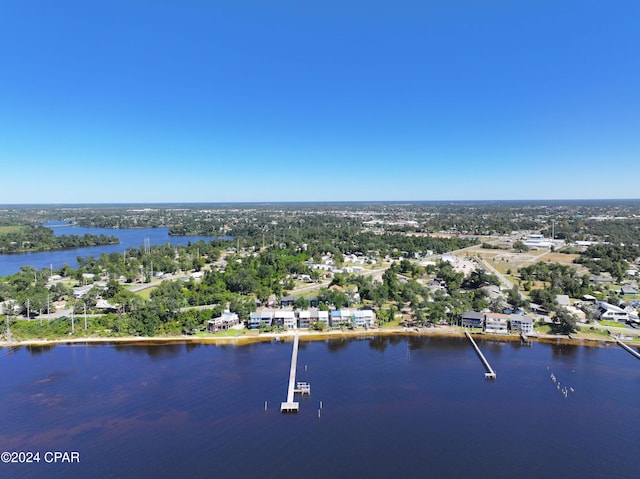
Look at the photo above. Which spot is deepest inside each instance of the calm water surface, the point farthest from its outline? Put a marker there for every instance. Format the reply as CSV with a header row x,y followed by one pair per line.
x,y
129,238
399,407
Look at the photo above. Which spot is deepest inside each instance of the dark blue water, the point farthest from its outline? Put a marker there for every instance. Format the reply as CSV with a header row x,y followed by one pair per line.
x,y
129,238
391,408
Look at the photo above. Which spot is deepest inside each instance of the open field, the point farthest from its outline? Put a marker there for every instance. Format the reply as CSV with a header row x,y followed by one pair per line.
x,y
561,258
145,293
10,229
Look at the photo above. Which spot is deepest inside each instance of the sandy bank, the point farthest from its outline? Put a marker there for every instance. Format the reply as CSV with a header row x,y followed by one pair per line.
x,y
441,331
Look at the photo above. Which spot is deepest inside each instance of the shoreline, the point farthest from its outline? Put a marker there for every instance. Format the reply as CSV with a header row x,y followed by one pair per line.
x,y
304,335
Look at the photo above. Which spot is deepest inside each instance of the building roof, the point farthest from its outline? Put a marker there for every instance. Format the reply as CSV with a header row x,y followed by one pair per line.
x,y
472,315
496,316
604,306
563,300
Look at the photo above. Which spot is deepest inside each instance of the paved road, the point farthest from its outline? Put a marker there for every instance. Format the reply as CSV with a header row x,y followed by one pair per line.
x,y
507,284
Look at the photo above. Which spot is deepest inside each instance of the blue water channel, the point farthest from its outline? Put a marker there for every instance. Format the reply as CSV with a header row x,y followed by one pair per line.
x,y
129,238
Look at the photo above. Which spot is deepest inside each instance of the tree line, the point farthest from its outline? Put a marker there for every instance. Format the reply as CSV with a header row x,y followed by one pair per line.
x,y
28,239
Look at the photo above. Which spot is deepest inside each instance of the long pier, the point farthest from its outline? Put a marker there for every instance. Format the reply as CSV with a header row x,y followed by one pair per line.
x,y
628,349
290,405
490,374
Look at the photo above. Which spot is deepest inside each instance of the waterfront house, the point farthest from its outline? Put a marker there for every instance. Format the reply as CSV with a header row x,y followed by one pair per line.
x,y
304,319
223,322
340,317
364,318
262,318
496,323
628,290
472,319
285,318
609,312
318,316
522,323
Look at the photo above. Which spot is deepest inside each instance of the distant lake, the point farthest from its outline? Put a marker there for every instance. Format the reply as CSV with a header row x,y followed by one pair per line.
x,y
129,238
392,407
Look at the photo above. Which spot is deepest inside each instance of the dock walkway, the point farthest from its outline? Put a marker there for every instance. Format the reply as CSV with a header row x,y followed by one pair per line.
x,y
290,405
490,374
628,349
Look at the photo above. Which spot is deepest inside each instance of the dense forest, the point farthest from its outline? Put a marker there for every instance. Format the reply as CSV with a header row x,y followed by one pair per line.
x,y
612,258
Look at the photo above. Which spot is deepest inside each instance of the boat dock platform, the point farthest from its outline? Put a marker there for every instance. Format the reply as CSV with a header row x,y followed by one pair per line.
x,y
628,349
490,374
303,388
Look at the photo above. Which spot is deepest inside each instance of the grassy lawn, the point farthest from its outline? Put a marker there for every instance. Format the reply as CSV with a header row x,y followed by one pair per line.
x,y
11,229
221,334
591,331
543,328
612,324
472,330
391,324
146,293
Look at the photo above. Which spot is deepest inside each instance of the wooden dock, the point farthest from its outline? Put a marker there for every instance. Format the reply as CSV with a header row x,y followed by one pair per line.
x,y
524,339
490,374
628,349
290,405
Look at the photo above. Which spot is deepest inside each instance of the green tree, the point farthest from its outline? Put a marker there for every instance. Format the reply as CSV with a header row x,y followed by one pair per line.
x,y
520,247
565,322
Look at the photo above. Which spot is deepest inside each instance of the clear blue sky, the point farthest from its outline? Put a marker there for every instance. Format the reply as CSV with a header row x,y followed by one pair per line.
x,y
204,100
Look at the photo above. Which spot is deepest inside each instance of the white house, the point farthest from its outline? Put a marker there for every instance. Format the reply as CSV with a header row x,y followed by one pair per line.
x,y
223,322
318,316
364,318
261,318
304,319
340,317
495,323
522,323
609,312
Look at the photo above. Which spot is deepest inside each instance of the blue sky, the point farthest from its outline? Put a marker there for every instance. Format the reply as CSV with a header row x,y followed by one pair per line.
x,y
197,100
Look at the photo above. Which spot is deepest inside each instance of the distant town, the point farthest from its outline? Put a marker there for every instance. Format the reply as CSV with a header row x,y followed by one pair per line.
x,y
531,269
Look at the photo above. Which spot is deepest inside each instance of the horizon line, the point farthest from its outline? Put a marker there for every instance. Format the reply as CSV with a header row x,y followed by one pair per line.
x,y
267,202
